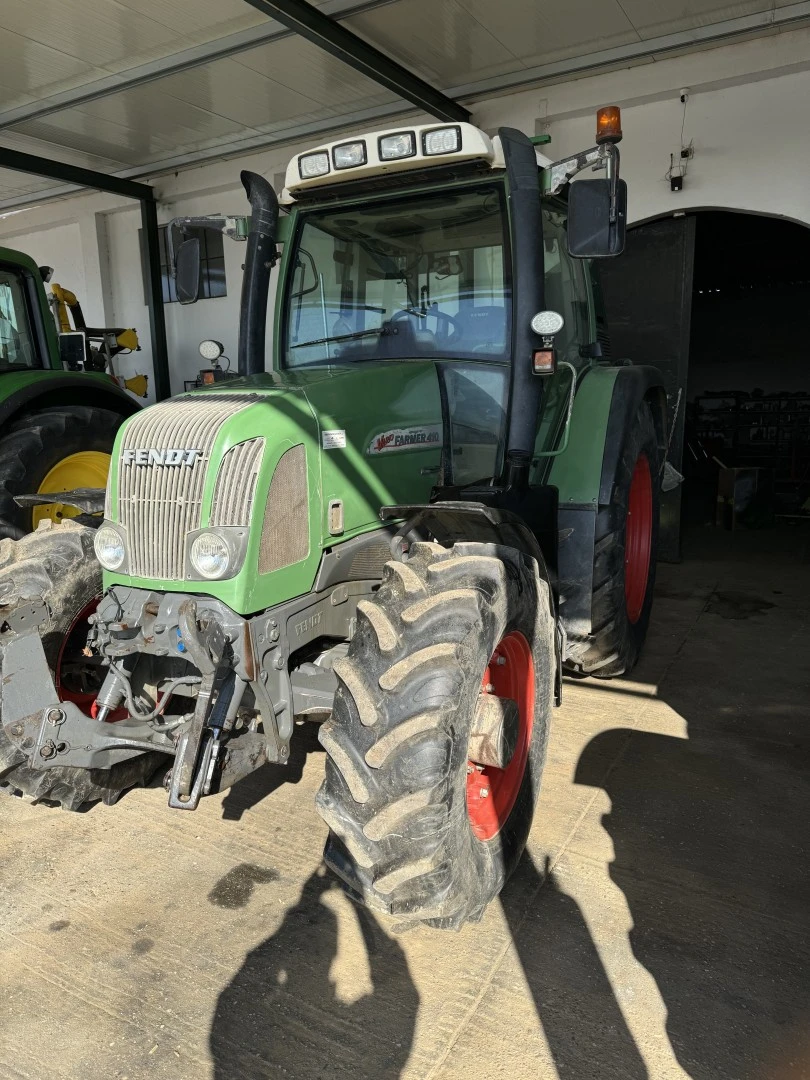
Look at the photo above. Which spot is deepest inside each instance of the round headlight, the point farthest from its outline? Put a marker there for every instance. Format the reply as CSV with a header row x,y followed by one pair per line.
x,y
211,350
210,556
547,323
109,546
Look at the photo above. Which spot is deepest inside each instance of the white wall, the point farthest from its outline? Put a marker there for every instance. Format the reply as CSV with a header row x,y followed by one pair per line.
x,y
746,114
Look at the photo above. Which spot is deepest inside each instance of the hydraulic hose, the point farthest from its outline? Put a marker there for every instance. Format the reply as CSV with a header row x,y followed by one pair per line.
x,y
167,690
259,261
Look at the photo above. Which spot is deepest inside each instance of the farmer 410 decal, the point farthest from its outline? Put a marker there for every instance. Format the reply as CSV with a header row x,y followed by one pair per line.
x,y
406,439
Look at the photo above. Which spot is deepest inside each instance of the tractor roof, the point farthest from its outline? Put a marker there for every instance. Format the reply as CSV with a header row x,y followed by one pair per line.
x,y
380,153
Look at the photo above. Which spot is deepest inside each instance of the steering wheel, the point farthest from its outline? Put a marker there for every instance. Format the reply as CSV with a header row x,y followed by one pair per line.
x,y
448,332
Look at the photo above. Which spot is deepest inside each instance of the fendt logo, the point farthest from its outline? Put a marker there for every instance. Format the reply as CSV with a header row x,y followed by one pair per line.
x,y
160,457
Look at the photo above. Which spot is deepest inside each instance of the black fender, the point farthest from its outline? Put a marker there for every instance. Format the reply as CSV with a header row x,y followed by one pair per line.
x,y
61,390
633,385
452,521
577,522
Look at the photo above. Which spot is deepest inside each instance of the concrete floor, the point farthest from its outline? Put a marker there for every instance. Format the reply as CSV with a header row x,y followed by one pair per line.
x,y
657,928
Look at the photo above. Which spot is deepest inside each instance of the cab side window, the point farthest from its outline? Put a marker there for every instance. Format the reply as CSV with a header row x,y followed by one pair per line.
x,y
566,288
16,339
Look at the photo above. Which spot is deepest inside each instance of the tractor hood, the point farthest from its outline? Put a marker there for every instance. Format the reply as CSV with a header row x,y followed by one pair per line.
x,y
258,461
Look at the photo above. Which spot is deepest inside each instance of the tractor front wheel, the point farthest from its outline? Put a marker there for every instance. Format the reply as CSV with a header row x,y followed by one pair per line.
x,y
55,449
428,802
57,564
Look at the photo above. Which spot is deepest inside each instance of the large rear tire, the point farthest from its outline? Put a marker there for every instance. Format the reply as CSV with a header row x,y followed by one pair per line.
x,y
624,559
57,564
54,450
417,830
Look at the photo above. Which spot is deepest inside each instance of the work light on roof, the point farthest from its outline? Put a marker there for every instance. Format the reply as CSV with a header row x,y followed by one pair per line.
x,y
349,155
400,145
444,140
311,165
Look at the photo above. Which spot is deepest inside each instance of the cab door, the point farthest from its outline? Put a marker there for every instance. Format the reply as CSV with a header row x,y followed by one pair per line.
x,y
567,292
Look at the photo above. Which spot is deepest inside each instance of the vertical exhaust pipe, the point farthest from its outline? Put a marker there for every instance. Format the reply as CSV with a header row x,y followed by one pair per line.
x,y
260,259
526,389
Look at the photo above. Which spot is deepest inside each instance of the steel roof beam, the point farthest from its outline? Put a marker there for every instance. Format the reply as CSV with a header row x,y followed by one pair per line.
x,y
219,49
73,174
339,41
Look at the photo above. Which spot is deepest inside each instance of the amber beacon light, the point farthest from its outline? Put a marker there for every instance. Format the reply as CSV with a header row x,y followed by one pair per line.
x,y
609,124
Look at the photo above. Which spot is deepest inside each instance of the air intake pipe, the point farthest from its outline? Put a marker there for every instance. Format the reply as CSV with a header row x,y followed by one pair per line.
x,y
260,259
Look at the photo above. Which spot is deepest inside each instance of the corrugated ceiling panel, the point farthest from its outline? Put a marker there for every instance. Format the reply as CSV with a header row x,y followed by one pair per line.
x,y
131,128
29,68
540,33
654,17
440,41
50,45
211,105
309,71
238,93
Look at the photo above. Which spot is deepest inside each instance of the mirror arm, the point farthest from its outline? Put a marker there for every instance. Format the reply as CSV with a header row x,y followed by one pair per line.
x,y
612,172
604,156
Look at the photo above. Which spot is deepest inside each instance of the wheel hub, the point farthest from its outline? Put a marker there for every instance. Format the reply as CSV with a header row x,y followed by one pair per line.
x,y
492,792
86,469
70,678
638,539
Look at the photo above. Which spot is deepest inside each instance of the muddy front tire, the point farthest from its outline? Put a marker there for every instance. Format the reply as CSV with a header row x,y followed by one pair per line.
x,y
57,564
416,829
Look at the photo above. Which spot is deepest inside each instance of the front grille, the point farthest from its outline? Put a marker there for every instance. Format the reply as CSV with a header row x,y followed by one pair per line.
x,y
159,504
236,484
285,532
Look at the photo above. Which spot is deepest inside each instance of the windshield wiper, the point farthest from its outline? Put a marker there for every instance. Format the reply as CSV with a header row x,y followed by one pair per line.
x,y
342,337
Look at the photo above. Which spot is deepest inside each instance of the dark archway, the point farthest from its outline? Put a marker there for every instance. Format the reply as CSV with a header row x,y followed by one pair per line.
x,y
718,300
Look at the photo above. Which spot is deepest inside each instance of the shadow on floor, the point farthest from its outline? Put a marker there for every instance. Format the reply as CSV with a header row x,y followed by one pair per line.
x,y
709,835
575,1002
249,792
281,1013
710,839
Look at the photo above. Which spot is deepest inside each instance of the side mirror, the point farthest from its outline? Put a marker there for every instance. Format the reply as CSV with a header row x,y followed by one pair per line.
x,y
187,271
591,233
72,350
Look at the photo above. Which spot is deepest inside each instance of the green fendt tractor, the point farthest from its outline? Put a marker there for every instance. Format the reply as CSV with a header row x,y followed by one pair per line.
x,y
441,495
57,426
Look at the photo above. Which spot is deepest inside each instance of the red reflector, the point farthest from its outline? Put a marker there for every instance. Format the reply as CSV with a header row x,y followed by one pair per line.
x,y
208,377
543,362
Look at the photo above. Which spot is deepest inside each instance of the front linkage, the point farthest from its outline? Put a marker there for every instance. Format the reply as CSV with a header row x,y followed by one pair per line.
x,y
232,673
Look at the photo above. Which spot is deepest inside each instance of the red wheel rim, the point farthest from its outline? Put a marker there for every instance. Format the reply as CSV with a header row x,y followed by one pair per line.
x,y
491,792
77,631
638,539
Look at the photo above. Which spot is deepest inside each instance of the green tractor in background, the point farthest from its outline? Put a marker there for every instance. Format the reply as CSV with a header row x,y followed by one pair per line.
x,y
57,421
442,495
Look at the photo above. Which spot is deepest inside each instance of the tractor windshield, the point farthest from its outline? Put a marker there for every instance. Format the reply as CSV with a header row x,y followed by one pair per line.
x,y
403,278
